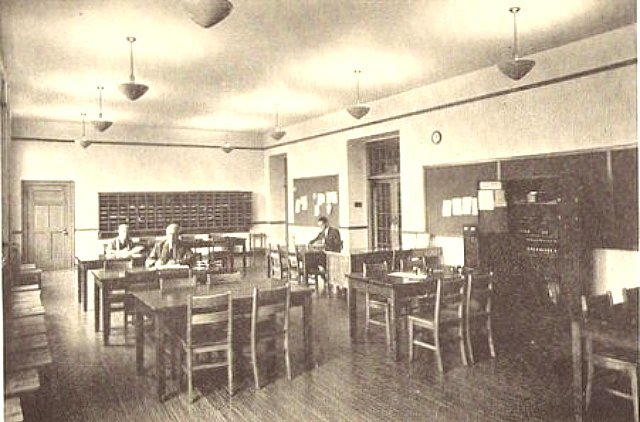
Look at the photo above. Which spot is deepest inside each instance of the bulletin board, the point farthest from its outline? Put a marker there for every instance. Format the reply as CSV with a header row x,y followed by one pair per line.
x,y
313,197
453,183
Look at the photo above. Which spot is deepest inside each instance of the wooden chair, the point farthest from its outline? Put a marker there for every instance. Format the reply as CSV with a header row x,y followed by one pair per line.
x,y
168,273
477,309
275,263
137,281
375,302
207,341
117,296
412,263
607,354
311,272
270,323
283,253
445,314
631,296
294,266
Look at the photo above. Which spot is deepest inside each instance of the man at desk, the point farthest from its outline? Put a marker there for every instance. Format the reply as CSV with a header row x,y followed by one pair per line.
x,y
328,236
169,251
122,245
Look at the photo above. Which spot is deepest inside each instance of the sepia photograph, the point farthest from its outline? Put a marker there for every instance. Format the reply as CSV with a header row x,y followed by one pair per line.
x,y
319,210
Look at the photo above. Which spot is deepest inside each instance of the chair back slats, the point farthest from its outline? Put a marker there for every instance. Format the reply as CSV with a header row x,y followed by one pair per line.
x,y
410,263
168,273
597,306
294,265
449,295
210,313
375,270
479,292
275,262
269,302
118,264
177,283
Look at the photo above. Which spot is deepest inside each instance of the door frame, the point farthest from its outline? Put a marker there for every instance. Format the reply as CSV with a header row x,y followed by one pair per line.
x,y
70,187
284,191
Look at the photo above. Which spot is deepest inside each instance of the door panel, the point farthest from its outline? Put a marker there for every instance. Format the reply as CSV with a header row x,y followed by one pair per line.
x,y
48,224
386,213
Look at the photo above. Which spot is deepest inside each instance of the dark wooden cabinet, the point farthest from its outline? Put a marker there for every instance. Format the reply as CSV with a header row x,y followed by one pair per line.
x,y
149,213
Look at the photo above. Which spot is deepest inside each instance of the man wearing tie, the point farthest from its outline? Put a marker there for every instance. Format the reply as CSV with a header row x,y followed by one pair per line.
x,y
328,236
169,251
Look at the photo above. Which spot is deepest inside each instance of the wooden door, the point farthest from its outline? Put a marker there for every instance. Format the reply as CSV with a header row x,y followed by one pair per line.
x,y
47,209
386,213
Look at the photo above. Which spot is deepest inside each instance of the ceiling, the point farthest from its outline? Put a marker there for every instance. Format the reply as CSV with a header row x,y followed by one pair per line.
x,y
294,55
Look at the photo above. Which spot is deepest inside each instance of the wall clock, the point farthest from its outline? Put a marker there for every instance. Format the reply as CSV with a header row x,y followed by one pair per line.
x,y
436,137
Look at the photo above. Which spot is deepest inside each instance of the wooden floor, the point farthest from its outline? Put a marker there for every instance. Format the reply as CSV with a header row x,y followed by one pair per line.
x,y
352,381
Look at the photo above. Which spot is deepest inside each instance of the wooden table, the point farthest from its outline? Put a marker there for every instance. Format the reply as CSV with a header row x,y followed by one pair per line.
x,y
162,306
224,242
396,289
106,281
87,263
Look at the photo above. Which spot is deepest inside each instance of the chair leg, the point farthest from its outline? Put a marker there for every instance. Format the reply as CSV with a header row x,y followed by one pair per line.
x,y
437,350
468,338
463,351
173,360
590,369
254,363
230,370
387,325
287,359
366,313
410,326
190,374
634,394
492,349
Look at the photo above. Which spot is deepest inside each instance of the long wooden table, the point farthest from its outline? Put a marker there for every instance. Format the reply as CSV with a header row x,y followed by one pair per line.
x,y
396,289
163,306
86,263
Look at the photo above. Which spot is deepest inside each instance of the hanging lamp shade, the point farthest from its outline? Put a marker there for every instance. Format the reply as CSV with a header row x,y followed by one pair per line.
x,y
226,147
358,110
101,124
516,68
207,13
131,89
277,133
83,141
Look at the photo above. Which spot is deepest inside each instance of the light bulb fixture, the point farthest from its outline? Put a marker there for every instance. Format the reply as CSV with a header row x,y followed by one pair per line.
x,y
516,68
358,110
82,141
100,124
227,148
131,89
277,132
207,13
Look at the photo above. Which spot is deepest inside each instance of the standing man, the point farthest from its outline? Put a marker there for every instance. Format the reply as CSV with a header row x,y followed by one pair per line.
x,y
169,251
328,236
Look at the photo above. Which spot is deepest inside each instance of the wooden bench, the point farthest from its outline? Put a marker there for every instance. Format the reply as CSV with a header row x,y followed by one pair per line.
x,y
21,382
13,410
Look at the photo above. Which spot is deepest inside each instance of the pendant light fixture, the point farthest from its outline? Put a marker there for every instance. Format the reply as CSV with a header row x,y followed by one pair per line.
x,y
100,124
82,141
207,13
517,67
358,110
277,132
131,89
226,147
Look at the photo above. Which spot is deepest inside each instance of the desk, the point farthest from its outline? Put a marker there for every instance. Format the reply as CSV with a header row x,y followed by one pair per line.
x,y
394,288
93,263
223,242
311,260
168,304
105,282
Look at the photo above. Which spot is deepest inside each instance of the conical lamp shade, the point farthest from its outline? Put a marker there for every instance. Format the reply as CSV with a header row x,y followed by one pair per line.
x,y
101,125
83,143
358,111
278,134
516,68
132,90
207,13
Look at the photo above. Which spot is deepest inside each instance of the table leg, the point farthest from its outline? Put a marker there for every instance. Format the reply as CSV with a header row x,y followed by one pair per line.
x,y
79,277
244,254
96,307
395,326
308,331
106,315
159,327
85,293
139,322
351,304
578,387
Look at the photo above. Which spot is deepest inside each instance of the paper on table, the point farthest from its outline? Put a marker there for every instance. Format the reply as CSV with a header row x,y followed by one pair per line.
x,y
474,206
499,199
456,206
332,197
466,205
446,208
485,200
304,203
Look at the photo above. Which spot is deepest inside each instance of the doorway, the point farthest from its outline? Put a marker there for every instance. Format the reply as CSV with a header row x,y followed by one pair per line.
x,y
48,224
383,159
278,187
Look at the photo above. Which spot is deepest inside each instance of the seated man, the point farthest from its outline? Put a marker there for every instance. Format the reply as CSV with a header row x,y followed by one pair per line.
x,y
328,236
123,245
169,251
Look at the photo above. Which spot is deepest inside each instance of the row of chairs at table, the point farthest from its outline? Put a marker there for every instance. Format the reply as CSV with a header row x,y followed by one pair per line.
x,y
458,303
286,264
205,339
609,354
26,344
